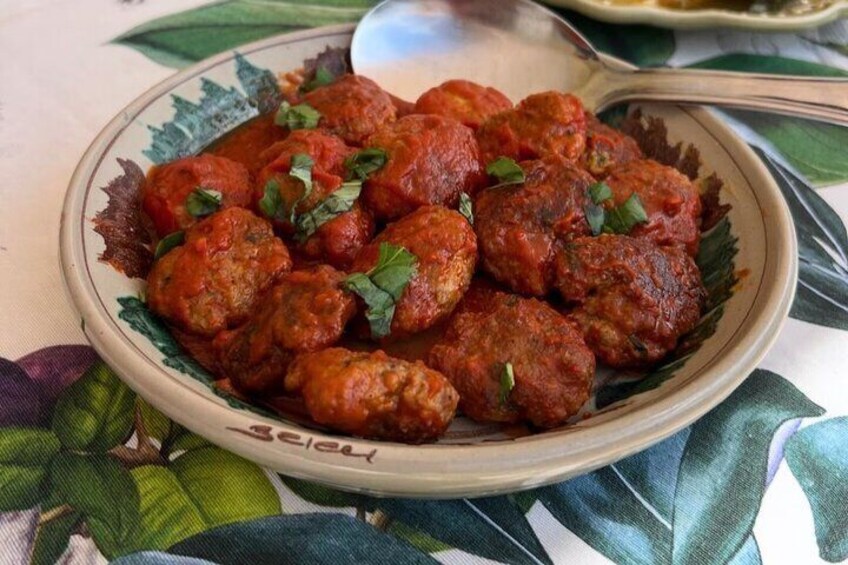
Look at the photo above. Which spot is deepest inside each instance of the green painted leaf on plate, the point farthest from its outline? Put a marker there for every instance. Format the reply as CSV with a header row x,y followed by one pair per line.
x,y
177,40
722,476
202,489
95,413
25,454
822,252
103,492
818,457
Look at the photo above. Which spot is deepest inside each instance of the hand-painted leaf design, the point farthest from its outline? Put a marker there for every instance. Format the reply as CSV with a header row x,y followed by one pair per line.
x,y
52,537
261,85
95,413
721,480
769,64
693,496
822,250
180,39
103,492
302,539
25,454
201,489
56,367
645,46
818,457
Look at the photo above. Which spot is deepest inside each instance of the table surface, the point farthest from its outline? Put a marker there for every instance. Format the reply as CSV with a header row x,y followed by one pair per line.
x,y
761,478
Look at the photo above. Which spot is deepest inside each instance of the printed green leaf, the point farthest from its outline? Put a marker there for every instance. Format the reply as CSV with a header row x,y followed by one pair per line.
x,y
52,538
818,457
721,480
95,413
103,492
642,45
172,437
177,40
768,64
321,495
201,489
25,454
301,540
822,251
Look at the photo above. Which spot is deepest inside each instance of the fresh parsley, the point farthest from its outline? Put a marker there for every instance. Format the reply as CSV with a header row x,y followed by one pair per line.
x,y
334,205
507,382
322,77
612,219
382,286
168,243
506,171
599,192
272,205
466,207
364,162
202,202
301,116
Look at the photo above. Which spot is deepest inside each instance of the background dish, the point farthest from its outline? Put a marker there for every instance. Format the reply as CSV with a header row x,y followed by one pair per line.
x,y
819,13
217,94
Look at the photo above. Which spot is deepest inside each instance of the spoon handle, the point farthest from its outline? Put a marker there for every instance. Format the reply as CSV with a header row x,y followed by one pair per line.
x,y
824,99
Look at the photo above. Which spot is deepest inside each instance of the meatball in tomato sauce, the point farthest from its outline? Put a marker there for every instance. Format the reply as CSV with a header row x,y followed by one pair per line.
x,y
306,311
464,101
353,107
431,160
445,246
632,299
548,123
164,194
212,282
514,359
606,148
372,395
517,225
671,201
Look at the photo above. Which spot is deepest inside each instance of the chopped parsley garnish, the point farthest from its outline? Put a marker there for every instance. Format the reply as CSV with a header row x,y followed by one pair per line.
x,y
364,162
272,205
202,202
599,192
382,286
507,382
612,219
168,243
506,171
301,116
466,207
322,77
334,205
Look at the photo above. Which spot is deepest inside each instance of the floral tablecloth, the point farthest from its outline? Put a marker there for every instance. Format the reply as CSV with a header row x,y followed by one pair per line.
x,y
763,478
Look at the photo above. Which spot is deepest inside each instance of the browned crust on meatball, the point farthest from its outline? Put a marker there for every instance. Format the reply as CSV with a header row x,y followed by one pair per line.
x,y
372,395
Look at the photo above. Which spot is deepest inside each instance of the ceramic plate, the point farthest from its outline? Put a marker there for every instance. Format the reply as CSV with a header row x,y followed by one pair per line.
x,y
748,259
801,15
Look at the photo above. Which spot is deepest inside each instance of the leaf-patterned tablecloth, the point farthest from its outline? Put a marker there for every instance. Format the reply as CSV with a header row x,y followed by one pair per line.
x,y
761,478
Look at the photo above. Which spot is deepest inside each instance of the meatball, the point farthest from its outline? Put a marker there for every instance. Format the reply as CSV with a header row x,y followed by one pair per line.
x,y
607,147
247,143
164,194
517,225
552,366
446,248
463,101
306,311
431,160
548,123
353,107
671,201
632,298
338,241
212,282
326,150
373,395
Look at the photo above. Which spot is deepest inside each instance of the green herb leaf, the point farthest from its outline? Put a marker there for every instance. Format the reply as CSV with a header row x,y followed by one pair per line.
x,y
203,201
466,207
382,286
301,169
507,382
271,204
334,205
323,77
168,242
301,116
596,216
506,171
622,219
599,192
364,162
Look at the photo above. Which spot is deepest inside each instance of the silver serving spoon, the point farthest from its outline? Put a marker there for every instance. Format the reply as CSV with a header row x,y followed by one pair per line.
x,y
519,47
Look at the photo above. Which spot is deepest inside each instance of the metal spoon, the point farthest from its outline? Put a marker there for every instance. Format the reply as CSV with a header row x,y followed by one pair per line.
x,y
519,47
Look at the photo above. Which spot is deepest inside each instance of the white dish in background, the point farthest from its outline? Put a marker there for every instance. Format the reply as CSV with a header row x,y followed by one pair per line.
x,y
474,460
